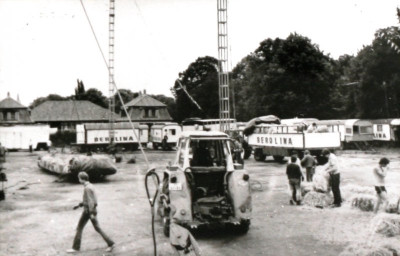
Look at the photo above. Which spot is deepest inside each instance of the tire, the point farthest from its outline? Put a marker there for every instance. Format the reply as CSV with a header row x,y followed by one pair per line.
x,y
155,146
242,228
259,155
278,158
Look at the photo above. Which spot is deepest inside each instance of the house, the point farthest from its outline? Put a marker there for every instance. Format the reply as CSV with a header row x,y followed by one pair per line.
x,y
145,109
66,114
12,112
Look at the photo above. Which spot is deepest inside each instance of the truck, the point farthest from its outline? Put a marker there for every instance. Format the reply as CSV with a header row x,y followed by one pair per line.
x,y
95,136
204,186
279,141
24,136
165,135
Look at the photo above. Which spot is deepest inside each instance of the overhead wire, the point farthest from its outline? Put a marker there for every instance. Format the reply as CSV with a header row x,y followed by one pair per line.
x,y
115,86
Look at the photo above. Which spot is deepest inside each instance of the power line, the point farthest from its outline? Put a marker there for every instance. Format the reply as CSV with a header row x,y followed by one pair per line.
x,y
115,86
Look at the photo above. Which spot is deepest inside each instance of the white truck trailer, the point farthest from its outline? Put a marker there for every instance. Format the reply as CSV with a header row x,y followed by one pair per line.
x,y
283,140
93,136
165,135
17,137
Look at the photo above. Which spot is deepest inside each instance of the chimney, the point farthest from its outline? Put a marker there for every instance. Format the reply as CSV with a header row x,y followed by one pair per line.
x,y
144,92
18,98
8,94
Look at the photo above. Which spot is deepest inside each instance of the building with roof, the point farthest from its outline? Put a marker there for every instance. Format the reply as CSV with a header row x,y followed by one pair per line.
x,y
146,109
13,112
66,114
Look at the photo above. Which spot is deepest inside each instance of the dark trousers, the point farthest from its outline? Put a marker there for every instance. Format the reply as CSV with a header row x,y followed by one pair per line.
x,y
294,185
82,222
335,183
310,173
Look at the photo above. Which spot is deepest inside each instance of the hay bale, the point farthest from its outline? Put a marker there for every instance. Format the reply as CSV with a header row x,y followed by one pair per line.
x,y
387,225
306,187
316,199
321,181
369,250
363,202
393,205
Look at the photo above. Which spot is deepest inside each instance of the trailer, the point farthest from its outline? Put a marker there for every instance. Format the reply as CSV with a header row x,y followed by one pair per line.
x,y
197,124
386,129
351,130
165,135
283,140
16,137
95,136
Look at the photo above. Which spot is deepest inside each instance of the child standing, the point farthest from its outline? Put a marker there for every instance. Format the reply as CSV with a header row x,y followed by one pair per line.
x,y
380,173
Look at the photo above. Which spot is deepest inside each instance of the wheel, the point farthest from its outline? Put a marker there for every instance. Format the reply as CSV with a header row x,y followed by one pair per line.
x,y
155,146
259,155
166,224
278,158
242,228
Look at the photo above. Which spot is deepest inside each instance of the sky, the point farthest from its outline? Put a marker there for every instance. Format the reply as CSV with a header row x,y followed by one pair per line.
x,y
46,45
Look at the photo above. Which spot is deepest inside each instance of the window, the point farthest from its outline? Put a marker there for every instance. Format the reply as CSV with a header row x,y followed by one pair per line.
x,y
173,132
16,115
365,129
1,116
379,127
348,130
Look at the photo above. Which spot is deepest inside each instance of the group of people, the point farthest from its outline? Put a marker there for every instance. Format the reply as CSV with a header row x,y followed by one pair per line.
x,y
295,176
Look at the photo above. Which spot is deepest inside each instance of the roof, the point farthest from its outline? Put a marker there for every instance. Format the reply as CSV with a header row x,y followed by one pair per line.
x,y
145,100
160,126
117,126
10,103
70,110
352,122
392,121
196,134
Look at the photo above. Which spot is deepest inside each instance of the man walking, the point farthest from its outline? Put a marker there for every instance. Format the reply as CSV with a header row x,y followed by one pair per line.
x,y
331,167
89,204
309,163
295,176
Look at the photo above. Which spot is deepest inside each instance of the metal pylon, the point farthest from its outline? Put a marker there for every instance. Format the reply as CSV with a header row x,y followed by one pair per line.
x,y
111,100
223,70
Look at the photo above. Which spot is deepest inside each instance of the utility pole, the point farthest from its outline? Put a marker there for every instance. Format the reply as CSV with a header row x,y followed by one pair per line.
x,y
223,69
111,100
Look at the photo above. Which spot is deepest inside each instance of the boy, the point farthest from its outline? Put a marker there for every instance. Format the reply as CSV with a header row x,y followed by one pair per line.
x,y
295,176
379,175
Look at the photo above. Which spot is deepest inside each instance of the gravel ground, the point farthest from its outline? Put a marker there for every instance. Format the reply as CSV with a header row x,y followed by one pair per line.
x,y
37,216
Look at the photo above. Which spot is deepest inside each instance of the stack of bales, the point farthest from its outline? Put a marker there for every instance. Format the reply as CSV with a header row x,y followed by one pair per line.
x,y
364,198
387,225
317,192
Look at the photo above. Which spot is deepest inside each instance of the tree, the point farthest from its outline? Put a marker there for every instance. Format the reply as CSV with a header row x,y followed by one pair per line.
x,y
200,81
379,78
288,78
80,90
40,100
95,96
126,95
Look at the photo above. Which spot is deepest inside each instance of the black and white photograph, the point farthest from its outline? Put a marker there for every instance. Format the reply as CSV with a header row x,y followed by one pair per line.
x,y
199,127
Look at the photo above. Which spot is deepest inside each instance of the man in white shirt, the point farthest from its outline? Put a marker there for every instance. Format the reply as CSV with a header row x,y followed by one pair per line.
x,y
331,167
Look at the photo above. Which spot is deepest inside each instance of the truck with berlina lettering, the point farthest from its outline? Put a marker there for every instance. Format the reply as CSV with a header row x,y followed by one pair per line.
x,y
280,140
